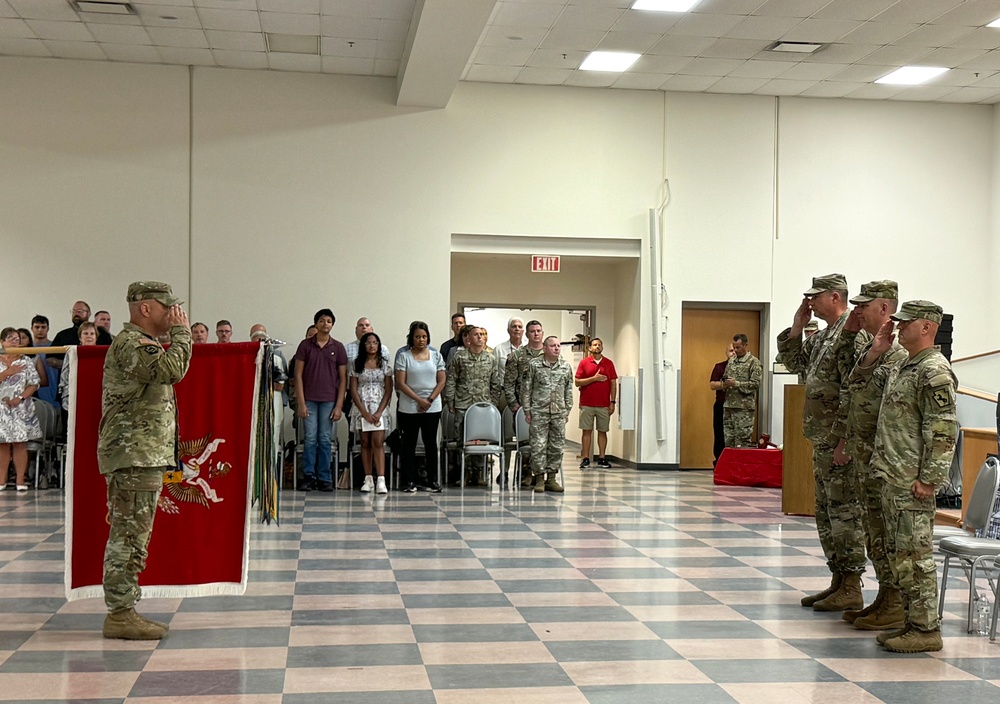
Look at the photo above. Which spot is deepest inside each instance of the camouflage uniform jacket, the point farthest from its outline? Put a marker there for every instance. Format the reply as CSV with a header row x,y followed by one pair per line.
x,y
824,415
472,378
516,371
865,388
746,371
139,419
917,423
548,388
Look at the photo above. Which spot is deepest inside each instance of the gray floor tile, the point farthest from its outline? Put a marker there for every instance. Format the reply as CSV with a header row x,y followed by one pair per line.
x,y
727,671
707,629
322,588
757,584
575,614
225,638
349,617
494,676
440,575
664,599
458,601
931,692
516,586
657,694
198,682
236,603
474,633
76,661
424,696
354,655
608,650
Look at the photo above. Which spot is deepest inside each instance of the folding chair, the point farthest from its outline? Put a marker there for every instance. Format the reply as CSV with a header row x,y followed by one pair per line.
x,y
482,435
48,421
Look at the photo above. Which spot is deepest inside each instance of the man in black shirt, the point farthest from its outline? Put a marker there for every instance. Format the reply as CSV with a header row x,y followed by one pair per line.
x,y
80,314
457,323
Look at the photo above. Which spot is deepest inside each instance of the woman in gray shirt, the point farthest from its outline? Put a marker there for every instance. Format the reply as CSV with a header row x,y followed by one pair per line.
x,y
420,378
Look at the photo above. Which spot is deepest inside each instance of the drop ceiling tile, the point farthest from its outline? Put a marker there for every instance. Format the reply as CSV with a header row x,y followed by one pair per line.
x,y
990,61
288,23
523,14
16,29
706,25
386,67
859,73
502,56
240,59
393,30
729,7
572,40
352,67
853,9
918,11
689,84
812,72
957,77
185,56
982,38
933,35
586,17
492,74
6,10
86,51
767,28
309,7
113,19
640,21
119,34
732,84
735,49
174,3
779,86
660,64
711,67
350,27
988,79
19,46
350,8
842,53
392,51
44,10
230,20
235,41
181,38
672,45
762,69
878,33
974,13
397,9
132,53
591,79
923,93
639,81
302,63
826,89
513,36
547,58
968,94
821,31
950,58
790,8
876,91
361,49
896,56
173,16
628,41
991,101
62,31
537,76
227,4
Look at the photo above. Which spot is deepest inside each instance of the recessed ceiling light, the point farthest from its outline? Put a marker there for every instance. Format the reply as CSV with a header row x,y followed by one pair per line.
x,y
616,61
796,47
664,5
911,75
994,23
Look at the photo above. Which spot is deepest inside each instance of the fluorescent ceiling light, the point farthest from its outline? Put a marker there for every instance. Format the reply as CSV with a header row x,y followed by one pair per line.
x,y
911,75
664,5
616,61
994,23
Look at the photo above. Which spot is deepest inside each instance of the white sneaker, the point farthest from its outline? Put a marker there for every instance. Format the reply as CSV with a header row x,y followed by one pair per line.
x,y
380,488
368,485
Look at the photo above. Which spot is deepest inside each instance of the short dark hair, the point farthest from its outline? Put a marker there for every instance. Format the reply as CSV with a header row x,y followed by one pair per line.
x,y
550,337
324,311
457,315
740,337
201,324
466,331
221,323
101,311
414,326
530,323
596,339
40,319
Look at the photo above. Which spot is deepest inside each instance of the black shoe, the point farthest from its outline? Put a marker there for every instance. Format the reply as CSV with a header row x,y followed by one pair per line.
x,y
307,484
326,486
431,486
585,464
603,463
411,488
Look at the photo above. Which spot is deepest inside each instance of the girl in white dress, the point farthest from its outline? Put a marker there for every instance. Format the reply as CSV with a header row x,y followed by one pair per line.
x,y
371,391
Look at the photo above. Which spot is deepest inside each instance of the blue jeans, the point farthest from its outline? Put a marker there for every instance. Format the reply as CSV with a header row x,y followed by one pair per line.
x,y
317,447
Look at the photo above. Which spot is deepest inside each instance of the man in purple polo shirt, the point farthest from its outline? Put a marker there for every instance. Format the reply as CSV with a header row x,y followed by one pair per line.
x,y
320,381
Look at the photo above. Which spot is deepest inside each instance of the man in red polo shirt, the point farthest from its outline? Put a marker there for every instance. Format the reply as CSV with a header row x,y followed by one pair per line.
x,y
596,377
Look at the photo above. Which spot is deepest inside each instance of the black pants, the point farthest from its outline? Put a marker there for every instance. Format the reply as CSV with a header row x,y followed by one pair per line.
x,y
720,434
427,425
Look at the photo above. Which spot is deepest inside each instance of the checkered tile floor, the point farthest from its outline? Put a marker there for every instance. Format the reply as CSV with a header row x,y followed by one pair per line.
x,y
631,587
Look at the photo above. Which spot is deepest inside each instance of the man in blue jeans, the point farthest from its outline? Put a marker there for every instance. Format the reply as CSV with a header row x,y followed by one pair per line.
x,y
320,381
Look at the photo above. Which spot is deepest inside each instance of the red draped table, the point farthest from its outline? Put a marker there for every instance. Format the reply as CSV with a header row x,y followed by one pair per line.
x,y
749,467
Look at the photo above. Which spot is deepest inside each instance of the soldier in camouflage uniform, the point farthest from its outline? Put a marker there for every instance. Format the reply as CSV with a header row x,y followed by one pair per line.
x,y
548,397
741,382
137,443
872,308
914,445
838,509
517,370
473,377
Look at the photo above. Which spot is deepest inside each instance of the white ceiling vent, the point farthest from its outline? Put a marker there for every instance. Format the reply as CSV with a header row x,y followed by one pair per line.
x,y
103,7
292,43
796,47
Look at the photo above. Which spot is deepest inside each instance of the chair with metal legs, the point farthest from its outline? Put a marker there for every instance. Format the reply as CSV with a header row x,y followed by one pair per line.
x,y
482,435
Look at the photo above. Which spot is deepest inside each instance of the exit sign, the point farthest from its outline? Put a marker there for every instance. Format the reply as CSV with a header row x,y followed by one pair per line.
x,y
544,264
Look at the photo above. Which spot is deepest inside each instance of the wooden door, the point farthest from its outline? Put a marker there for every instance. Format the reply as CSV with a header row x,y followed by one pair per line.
x,y
705,333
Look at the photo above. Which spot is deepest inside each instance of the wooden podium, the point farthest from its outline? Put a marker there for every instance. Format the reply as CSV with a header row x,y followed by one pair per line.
x,y
798,489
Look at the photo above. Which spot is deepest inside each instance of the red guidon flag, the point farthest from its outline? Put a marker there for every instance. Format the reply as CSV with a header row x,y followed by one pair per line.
x,y
201,532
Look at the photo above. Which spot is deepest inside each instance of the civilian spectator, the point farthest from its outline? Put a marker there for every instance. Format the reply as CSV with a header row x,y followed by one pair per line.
x,y
371,391
199,333
457,323
596,377
224,331
320,380
25,337
88,338
40,331
290,385
102,319
40,338
420,380
18,422
515,332
67,336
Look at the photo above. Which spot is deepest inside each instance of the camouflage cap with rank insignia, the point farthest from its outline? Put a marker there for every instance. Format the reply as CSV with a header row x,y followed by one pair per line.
x,y
830,282
886,289
919,310
151,291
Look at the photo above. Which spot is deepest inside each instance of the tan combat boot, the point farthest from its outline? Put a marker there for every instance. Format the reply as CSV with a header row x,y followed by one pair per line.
x,y
552,483
852,615
847,596
539,483
889,615
835,581
128,625
914,641
881,638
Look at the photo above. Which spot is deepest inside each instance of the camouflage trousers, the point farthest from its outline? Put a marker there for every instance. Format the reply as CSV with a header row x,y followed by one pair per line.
x,y
132,496
909,529
870,491
838,512
547,438
737,425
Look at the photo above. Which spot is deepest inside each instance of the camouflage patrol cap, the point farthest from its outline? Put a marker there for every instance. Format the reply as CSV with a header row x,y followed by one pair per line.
x,y
151,291
830,282
811,326
920,310
877,289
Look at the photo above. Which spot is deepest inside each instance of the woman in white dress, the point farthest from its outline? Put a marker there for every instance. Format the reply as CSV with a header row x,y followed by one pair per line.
x,y
371,392
18,422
